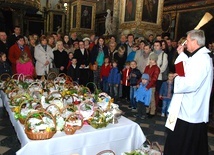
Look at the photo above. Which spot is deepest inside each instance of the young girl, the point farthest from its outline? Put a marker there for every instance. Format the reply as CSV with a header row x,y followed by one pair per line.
x,y
114,81
70,57
24,65
104,73
4,66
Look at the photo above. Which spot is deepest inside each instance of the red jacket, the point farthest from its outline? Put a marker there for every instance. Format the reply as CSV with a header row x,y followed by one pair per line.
x,y
14,54
125,74
105,70
153,72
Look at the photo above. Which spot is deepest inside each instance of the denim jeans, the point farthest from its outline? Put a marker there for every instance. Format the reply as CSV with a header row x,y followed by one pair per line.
x,y
165,106
132,99
114,91
105,84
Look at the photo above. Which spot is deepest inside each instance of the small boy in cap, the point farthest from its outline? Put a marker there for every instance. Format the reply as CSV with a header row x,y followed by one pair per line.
x,y
143,97
153,71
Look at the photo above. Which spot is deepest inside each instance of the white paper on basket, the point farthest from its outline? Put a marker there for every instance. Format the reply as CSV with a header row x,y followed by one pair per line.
x,y
34,121
74,123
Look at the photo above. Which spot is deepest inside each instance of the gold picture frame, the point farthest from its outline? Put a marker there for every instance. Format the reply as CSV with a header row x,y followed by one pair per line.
x,y
150,11
83,15
56,20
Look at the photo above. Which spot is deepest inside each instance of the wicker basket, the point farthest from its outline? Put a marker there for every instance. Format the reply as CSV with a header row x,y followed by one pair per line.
x,y
98,120
5,76
53,105
42,134
109,152
22,119
51,76
69,130
35,86
74,117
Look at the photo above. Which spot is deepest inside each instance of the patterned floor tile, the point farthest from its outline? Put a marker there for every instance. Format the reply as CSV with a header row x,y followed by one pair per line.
x,y
144,125
210,134
3,149
160,122
160,133
2,137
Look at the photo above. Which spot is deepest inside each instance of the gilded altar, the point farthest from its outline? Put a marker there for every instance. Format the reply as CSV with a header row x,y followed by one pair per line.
x,y
139,17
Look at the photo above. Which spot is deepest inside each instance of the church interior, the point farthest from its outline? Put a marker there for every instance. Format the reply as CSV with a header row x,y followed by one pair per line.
x,y
142,18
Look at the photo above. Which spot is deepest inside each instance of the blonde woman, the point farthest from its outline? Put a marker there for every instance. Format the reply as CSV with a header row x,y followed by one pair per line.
x,y
60,57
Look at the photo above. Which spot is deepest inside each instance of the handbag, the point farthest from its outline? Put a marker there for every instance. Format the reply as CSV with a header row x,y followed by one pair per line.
x,y
94,66
54,69
165,73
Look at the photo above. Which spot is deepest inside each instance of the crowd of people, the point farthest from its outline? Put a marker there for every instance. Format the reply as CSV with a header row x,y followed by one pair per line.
x,y
139,70
114,66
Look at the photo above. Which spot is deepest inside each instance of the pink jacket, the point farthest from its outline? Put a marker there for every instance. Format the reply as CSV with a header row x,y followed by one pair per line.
x,y
26,68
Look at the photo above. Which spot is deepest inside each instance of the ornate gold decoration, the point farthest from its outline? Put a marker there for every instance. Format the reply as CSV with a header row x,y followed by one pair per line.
x,y
139,27
21,3
190,5
79,4
52,14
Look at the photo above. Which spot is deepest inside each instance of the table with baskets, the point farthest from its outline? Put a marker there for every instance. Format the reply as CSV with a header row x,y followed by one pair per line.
x,y
84,139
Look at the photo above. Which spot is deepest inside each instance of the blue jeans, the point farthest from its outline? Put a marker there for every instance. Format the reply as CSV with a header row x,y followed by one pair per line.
x,y
132,99
105,84
114,91
165,105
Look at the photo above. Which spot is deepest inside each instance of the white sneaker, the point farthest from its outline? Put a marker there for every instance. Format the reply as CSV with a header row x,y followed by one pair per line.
x,y
162,115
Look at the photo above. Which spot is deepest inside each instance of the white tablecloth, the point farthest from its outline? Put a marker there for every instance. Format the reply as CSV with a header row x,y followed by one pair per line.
x,y
121,137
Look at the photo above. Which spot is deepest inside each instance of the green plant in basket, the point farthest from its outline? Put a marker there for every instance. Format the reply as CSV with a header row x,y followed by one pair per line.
x,y
19,116
98,120
24,84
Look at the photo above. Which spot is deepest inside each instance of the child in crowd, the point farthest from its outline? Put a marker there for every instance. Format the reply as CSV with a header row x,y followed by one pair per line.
x,y
74,71
4,65
125,81
114,81
166,93
104,73
24,65
134,79
70,56
132,54
143,97
153,70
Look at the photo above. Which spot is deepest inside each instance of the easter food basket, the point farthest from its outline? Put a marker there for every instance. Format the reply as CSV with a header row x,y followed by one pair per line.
x,y
43,119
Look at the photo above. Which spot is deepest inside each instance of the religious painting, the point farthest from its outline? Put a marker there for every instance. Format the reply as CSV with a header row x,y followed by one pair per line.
x,y
57,22
130,9
86,17
150,11
74,16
